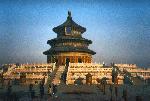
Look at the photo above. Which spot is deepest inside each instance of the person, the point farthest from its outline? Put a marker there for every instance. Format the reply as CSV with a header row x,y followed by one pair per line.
x,y
41,90
138,98
32,94
31,91
2,80
110,88
15,97
9,91
30,87
54,89
124,94
49,89
116,91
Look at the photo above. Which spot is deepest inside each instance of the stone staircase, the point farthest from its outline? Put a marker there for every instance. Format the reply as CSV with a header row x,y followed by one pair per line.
x,y
57,77
52,76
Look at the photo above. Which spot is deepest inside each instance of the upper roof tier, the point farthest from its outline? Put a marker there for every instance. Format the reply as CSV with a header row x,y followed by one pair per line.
x,y
61,40
68,23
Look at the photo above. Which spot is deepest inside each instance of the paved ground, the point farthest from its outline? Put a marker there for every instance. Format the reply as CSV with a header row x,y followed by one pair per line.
x,y
92,93
79,93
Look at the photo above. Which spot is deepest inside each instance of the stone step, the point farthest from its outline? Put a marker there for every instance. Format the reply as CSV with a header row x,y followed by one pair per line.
x,y
57,77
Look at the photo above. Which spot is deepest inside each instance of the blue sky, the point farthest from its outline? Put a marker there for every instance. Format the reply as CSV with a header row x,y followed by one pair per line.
x,y
120,30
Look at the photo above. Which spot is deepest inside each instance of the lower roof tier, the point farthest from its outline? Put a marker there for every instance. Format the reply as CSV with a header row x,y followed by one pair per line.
x,y
55,50
60,40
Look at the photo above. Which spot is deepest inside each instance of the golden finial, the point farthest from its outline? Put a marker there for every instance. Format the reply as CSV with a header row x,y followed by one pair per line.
x,y
69,13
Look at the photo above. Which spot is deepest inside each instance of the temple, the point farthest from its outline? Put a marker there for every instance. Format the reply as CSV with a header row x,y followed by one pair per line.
x,y
69,60
69,46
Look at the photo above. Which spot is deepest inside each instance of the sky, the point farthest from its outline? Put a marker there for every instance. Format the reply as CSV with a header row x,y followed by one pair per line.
x,y
120,30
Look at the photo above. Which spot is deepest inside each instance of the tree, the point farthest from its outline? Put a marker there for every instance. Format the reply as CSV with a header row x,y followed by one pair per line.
x,y
114,75
115,71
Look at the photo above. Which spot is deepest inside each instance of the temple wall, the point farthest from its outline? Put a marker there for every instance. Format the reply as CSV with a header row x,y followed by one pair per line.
x,y
80,70
96,70
126,65
32,73
74,57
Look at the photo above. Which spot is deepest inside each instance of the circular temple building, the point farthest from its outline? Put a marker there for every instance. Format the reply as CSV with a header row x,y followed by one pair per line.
x,y
69,46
